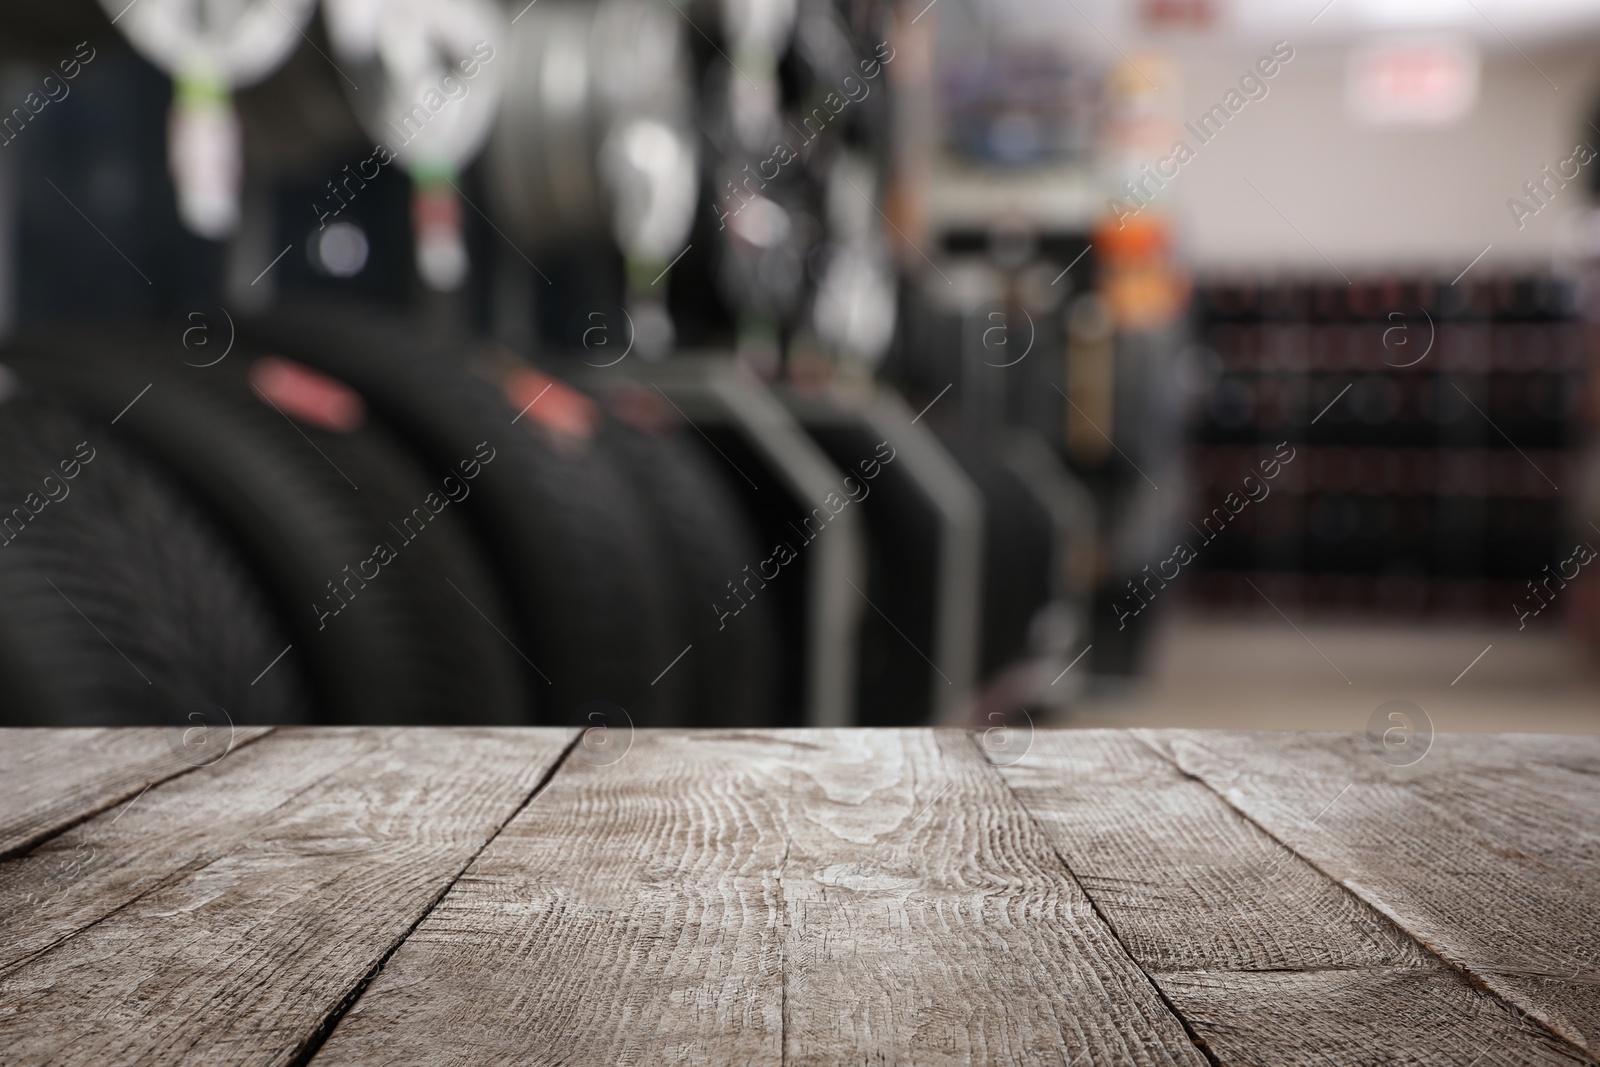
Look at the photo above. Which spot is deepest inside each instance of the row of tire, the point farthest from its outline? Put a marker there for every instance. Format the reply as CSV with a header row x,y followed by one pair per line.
x,y
326,516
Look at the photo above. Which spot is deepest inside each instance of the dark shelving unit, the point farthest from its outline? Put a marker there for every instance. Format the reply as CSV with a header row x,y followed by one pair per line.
x,y
1435,428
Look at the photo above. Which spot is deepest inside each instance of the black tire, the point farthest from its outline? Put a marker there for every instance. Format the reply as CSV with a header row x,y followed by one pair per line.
x,y
730,675
405,647
894,685
1017,533
562,527
120,602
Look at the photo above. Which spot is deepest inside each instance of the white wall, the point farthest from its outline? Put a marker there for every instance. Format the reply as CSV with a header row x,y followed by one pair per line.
x,y
1371,199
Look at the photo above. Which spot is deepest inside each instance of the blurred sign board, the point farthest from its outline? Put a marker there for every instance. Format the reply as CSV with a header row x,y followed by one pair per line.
x,y
1412,81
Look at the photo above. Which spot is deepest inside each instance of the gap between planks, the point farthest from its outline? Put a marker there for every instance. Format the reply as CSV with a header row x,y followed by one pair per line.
x,y
1467,974
135,789
313,1044
398,827
178,874
645,889
310,1048
1105,920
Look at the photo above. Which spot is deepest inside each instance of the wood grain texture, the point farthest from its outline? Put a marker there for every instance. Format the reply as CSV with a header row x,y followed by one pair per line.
x,y
631,915
80,876
809,897
1539,795
801,897
1268,960
1446,847
1373,1017
932,923
246,955
52,779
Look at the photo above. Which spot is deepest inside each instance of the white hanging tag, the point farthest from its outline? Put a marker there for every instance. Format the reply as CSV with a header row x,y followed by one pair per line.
x,y
210,49
204,152
436,221
431,72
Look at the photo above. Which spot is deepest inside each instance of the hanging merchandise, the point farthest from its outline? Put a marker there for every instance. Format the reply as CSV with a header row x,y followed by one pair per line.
x,y
762,214
758,31
651,173
648,159
854,308
210,48
650,170
597,136
427,83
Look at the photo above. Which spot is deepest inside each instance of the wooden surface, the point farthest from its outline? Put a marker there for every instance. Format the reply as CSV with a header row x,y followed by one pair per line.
x,y
456,897
53,779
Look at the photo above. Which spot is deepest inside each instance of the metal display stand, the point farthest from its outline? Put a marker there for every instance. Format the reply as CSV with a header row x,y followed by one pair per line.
x,y
952,522
717,400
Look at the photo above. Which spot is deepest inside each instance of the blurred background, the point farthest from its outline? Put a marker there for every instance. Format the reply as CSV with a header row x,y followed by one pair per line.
x,y
1212,363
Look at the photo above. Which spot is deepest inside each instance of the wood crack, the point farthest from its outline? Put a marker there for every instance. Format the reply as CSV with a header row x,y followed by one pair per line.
x,y
175,877
313,1044
178,873
1473,978
1198,1041
783,960
864,896
49,833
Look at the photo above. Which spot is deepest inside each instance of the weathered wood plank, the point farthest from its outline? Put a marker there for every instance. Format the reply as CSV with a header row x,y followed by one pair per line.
x,y
85,873
246,956
1424,845
850,896
932,923
51,779
1267,959
631,915
1371,1018
1539,794
785,897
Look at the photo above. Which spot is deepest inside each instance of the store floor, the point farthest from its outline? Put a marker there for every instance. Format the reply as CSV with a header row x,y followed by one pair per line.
x,y
1263,675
